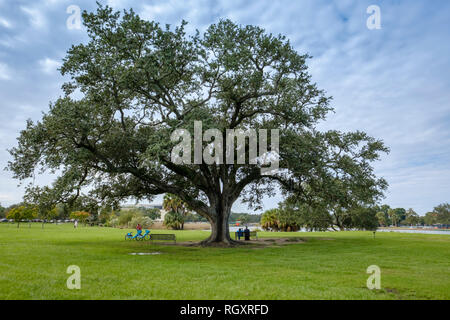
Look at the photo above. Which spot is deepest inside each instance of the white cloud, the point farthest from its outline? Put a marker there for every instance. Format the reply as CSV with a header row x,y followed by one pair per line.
x,y
49,65
53,2
119,4
5,72
5,23
197,13
37,18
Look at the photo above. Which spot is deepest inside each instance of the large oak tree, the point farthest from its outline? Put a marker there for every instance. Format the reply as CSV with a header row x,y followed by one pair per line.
x,y
134,82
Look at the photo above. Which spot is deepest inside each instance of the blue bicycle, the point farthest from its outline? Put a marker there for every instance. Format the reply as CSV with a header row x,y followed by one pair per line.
x,y
139,236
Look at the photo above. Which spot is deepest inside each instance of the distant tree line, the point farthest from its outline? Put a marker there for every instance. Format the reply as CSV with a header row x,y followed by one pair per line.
x,y
292,216
47,211
289,216
387,216
245,217
439,215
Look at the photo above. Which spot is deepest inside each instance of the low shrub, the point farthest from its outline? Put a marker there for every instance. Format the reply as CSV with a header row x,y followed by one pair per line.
x,y
145,222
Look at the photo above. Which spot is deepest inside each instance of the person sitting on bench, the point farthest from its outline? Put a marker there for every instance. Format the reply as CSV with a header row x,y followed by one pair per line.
x,y
247,234
240,233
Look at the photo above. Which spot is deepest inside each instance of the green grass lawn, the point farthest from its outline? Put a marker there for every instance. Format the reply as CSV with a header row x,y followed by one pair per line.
x,y
332,265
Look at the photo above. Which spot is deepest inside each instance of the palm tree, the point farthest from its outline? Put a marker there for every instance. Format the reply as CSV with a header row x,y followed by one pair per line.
x,y
176,208
174,220
393,215
381,218
269,220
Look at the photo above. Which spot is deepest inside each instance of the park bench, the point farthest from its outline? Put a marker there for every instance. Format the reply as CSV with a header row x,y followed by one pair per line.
x,y
156,236
253,234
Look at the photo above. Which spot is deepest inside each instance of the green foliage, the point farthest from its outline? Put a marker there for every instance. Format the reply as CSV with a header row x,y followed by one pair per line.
x,y
2,211
113,222
363,218
430,218
81,216
177,210
385,209
130,218
356,217
23,212
393,216
85,203
315,218
126,216
174,220
106,216
193,217
152,213
401,214
244,219
292,215
442,212
381,217
269,220
172,202
62,211
288,221
44,200
284,218
46,213
250,218
439,215
145,222
412,218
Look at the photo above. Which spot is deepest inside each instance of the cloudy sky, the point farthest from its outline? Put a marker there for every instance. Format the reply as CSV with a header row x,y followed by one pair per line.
x,y
392,82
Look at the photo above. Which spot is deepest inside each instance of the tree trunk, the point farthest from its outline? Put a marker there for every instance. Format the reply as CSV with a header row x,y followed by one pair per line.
x,y
220,231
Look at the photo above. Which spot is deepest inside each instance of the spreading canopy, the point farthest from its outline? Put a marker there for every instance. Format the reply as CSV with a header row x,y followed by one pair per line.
x,y
135,82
